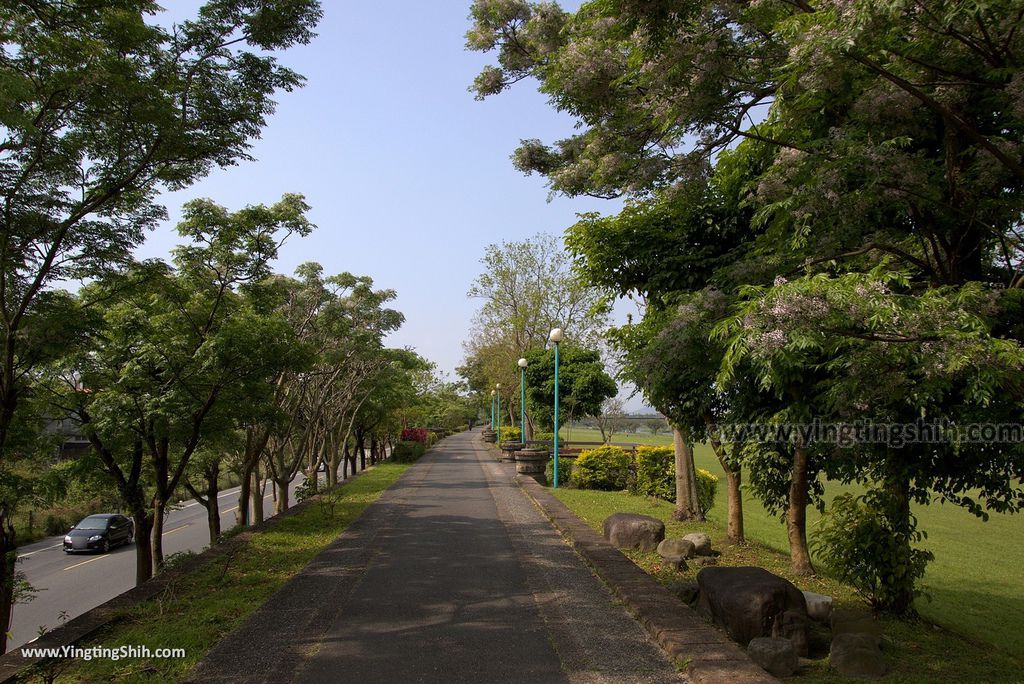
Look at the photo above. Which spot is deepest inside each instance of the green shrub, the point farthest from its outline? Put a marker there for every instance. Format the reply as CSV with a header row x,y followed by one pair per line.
x,y
655,473
606,467
565,467
431,439
306,489
408,451
544,436
707,487
871,551
511,434
656,476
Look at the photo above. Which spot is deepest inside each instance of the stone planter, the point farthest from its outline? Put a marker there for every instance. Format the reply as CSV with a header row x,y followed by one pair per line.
x,y
489,436
508,451
531,462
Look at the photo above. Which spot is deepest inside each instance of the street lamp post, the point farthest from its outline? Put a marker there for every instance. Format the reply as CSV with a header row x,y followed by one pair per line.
x,y
556,337
497,388
492,409
522,401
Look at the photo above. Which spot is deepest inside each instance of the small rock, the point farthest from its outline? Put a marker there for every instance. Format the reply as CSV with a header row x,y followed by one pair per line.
x,y
856,622
632,531
703,561
792,625
675,548
776,655
677,563
857,655
701,543
819,606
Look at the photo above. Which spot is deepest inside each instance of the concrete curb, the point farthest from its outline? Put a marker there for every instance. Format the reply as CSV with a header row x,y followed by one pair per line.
x,y
702,651
14,666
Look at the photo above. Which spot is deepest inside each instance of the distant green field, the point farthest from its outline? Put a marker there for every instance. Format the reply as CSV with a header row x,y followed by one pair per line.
x,y
975,582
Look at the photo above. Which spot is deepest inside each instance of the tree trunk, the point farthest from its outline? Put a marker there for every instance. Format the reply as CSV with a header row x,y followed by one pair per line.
x,y
901,526
796,515
213,505
9,554
157,534
242,516
374,455
733,477
361,442
257,498
734,528
281,505
687,506
143,520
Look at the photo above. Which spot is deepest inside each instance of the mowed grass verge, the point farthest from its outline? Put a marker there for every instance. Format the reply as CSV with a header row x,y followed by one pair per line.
x,y
917,652
975,583
200,608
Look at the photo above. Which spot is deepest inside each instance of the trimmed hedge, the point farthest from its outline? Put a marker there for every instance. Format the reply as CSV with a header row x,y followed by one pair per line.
x,y
606,467
656,476
408,451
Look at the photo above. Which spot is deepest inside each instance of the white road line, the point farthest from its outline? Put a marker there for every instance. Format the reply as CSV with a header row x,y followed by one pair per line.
x,y
91,560
45,548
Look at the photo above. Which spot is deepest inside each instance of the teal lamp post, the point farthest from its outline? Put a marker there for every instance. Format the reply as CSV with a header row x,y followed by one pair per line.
x,y
497,390
556,337
492,409
522,401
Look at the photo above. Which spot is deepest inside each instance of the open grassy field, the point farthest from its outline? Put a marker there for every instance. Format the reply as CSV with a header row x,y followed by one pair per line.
x,y
916,651
975,582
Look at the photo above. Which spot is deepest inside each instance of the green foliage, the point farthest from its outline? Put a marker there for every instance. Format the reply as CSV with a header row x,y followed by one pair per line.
x,y
870,551
583,383
655,473
655,469
511,434
408,451
606,467
306,489
544,436
565,470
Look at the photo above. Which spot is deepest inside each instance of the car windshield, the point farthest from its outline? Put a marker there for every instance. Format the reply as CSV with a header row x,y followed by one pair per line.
x,y
93,522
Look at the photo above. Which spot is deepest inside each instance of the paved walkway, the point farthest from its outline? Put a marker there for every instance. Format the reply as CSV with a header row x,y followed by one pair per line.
x,y
452,576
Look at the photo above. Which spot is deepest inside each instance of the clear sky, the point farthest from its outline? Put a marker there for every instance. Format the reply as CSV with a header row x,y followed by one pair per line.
x,y
409,177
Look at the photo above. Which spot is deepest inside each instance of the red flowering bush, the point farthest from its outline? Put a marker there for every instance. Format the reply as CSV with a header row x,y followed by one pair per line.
x,y
414,435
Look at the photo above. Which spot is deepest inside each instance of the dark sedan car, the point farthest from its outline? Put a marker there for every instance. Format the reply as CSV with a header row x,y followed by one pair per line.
x,y
99,533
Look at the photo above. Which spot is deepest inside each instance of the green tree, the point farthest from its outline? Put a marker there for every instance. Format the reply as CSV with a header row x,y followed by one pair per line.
x,y
583,383
183,352
102,109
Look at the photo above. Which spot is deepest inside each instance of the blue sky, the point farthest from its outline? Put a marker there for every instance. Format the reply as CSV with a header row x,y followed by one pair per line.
x,y
409,177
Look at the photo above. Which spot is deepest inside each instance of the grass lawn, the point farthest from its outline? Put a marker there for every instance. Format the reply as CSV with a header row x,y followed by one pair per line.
x,y
975,582
917,652
210,602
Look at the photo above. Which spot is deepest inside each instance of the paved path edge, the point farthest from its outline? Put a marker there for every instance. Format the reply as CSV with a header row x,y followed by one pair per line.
x,y
697,648
14,666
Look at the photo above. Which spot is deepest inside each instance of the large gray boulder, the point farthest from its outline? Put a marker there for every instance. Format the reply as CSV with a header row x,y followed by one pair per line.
x,y
632,531
701,543
776,655
856,654
750,602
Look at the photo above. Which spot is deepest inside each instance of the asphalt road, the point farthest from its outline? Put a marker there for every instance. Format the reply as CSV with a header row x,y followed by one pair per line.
x,y
451,576
74,583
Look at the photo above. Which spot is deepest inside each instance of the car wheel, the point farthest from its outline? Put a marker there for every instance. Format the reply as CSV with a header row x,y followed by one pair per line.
x,y
128,540
105,547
